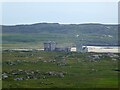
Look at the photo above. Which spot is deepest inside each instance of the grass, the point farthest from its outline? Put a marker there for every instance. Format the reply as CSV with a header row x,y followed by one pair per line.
x,y
80,71
35,40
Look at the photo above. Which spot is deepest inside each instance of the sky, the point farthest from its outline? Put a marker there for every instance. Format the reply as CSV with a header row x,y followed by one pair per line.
x,y
59,12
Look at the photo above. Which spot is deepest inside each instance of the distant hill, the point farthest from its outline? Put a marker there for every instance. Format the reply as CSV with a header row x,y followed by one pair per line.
x,y
62,28
97,34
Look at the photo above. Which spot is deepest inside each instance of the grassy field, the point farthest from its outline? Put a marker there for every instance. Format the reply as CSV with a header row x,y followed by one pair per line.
x,y
35,40
59,70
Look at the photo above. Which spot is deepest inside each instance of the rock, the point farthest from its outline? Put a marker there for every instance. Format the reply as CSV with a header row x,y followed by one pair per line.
x,y
18,79
114,59
4,76
61,75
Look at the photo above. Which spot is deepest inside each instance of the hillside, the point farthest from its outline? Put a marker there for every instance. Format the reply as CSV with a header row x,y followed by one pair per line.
x,y
63,34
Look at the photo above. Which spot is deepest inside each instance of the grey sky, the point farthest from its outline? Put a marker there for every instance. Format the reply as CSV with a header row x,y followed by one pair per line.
x,y
79,12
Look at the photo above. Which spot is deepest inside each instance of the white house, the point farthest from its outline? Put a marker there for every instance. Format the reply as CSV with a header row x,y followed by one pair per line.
x,y
73,49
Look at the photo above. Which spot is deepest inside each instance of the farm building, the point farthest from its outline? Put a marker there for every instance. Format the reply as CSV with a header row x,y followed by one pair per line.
x,y
101,49
49,46
73,49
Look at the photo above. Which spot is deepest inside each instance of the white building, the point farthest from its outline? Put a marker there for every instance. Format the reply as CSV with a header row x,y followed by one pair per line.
x,y
101,49
73,49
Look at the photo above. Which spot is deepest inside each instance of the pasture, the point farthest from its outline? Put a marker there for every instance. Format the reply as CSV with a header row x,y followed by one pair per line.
x,y
39,69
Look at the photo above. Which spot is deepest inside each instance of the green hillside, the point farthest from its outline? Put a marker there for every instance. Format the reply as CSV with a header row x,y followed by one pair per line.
x,y
64,34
